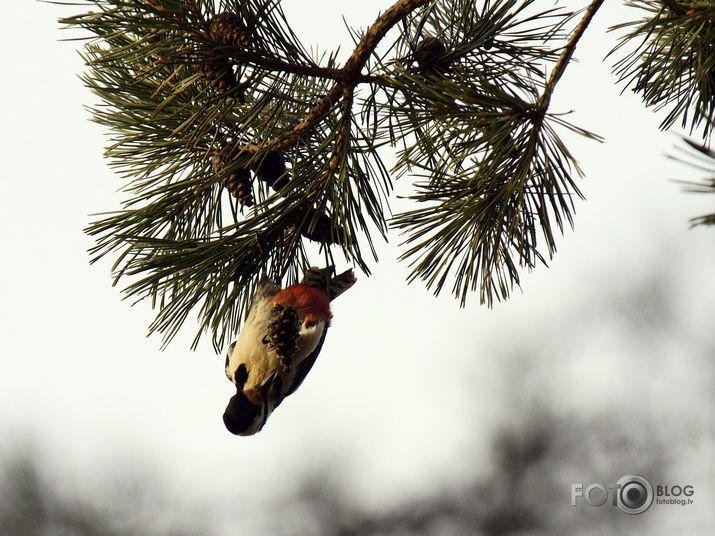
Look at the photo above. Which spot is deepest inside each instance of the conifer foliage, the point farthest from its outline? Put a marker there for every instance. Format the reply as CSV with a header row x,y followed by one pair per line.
x,y
245,154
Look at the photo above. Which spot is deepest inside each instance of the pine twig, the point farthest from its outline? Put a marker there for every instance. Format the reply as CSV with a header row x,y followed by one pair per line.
x,y
567,53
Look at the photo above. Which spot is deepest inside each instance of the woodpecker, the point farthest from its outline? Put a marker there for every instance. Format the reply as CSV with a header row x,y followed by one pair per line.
x,y
278,345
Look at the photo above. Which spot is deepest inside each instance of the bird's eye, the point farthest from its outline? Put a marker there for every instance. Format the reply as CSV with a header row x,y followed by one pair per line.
x,y
241,375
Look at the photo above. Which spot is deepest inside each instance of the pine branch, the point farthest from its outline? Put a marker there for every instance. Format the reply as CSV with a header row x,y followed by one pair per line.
x,y
673,64
350,71
702,158
238,146
568,51
496,172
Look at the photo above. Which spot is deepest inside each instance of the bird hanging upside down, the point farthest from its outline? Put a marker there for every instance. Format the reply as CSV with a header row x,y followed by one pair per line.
x,y
278,345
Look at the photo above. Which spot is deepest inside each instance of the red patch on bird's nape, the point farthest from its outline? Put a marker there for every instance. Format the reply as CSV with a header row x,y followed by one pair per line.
x,y
312,304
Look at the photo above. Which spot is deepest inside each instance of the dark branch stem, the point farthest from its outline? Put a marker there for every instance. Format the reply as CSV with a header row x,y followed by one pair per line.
x,y
337,74
567,53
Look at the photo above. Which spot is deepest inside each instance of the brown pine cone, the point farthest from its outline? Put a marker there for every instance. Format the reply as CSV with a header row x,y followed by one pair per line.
x,y
282,333
322,230
218,72
272,170
228,29
429,54
237,182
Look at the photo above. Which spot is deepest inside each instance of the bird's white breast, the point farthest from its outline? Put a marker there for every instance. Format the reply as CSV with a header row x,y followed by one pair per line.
x,y
259,360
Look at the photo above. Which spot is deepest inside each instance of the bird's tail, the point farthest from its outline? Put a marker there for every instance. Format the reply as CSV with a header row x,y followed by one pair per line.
x,y
334,286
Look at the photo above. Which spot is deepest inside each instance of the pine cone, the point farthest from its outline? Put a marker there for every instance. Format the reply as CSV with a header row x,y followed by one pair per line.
x,y
272,170
228,29
282,333
218,72
322,230
237,182
429,54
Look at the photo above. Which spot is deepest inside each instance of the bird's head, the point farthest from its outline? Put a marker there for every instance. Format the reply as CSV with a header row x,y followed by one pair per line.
x,y
243,417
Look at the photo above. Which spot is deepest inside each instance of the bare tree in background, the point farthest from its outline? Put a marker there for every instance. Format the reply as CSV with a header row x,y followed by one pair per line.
x,y
525,494
32,505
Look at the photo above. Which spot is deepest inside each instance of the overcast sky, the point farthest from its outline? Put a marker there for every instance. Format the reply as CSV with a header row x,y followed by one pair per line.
x,y
619,325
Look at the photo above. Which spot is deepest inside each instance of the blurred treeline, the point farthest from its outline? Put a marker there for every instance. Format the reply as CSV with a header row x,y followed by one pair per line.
x,y
523,494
